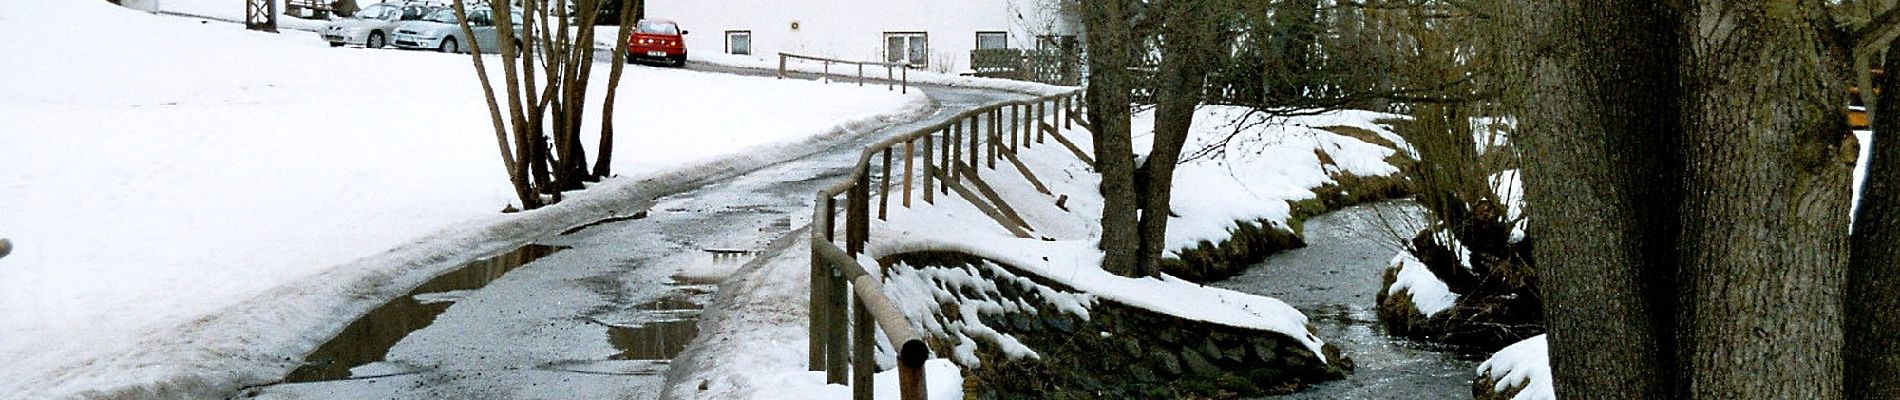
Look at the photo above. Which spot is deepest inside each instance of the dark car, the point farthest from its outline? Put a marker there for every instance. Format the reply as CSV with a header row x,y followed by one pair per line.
x,y
657,40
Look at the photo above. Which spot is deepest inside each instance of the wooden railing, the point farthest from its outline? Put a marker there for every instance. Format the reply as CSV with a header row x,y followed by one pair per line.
x,y
895,74
938,159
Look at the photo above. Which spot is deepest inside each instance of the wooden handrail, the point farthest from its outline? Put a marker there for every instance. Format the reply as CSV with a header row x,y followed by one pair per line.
x,y
950,151
889,67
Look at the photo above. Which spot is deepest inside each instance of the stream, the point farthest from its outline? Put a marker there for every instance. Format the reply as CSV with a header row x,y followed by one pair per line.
x,y
1334,281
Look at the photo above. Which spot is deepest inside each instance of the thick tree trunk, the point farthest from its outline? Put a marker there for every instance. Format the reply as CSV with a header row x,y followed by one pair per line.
x,y
1185,52
1110,43
1764,241
1873,272
1600,134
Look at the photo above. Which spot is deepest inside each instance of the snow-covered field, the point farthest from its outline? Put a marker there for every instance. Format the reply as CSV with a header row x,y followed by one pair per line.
x,y
193,204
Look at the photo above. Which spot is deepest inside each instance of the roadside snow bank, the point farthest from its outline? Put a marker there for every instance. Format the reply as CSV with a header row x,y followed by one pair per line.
x,y
1520,371
194,206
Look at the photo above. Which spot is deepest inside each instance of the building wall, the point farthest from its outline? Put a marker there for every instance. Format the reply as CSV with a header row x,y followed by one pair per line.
x,y
854,29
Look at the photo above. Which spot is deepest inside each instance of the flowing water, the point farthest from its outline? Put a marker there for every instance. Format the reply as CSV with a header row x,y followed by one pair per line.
x,y
1334,281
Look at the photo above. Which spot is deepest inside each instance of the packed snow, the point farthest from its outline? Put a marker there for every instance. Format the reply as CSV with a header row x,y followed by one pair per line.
x,y
1525,365
194,205
1429,294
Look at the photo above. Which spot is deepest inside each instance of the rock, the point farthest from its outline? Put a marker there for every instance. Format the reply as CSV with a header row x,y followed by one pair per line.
x,y
1166,361
1264,352
1060,323
1198,364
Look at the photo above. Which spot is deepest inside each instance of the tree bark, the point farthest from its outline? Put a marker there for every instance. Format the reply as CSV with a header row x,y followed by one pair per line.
x,y
1873,272
603,164
1600,133
1185,49
1110,45
1765,187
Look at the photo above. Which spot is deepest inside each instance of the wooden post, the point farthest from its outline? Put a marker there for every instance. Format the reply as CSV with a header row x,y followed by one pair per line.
x,y
906,80
884,187
857,224
887,77
909,153
781,65
836,350
1042,112
860,74
862,347
976,153
910,381
816,350
1069,117
930,182
1016,134
949,142
955,152
996,135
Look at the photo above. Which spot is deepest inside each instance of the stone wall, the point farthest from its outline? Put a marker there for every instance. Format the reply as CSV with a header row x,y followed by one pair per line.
x,y
1111,351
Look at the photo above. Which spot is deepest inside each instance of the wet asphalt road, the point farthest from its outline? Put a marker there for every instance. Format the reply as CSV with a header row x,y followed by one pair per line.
x,y
572,324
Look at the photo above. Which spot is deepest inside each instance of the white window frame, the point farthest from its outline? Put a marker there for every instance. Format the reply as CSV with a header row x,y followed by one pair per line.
x,y
980,34
911,40
748,41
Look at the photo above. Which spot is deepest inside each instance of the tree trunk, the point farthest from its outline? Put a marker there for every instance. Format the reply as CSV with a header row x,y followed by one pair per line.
x,y
1764,244
1600,135
603,164
1184,53
1110,45
1873,272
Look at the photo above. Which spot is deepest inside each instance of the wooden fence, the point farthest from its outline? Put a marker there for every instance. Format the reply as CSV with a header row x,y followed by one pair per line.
x,y
935,160
895,74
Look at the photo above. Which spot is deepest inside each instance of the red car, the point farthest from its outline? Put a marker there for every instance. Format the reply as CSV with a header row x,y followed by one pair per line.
x,y
657,40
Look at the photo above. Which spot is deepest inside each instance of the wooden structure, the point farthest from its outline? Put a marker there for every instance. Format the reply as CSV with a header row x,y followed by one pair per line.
x,y
847,301
1054,61
260,15
892,71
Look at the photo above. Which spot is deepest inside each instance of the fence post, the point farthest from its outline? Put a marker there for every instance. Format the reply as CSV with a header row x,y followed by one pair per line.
x,y
827,75
954,153
781,65
837,365
887,78
819,278
910,381
1068,120
996,135
884,187
910,152
860,74
976,153
862,365
1042,112
906,80
1016,132
930,180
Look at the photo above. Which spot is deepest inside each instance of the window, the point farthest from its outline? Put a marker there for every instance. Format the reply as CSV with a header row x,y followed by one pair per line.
x,y
657,28
992,40
739,42
907,47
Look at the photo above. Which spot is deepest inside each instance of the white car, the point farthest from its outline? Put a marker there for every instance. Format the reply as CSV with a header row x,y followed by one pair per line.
x,y
442,31
372,26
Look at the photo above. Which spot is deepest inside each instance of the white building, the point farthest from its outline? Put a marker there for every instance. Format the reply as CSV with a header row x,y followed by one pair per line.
x,y
936,35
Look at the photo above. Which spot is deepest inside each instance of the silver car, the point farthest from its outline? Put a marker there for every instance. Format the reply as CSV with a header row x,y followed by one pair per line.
x,y
372,26
442,31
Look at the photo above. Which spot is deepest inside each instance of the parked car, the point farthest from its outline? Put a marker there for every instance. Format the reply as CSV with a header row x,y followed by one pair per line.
x,y
442,31
657,40
371,26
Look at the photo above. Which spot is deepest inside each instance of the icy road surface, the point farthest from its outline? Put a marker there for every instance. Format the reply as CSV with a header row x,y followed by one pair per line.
x,y
547,329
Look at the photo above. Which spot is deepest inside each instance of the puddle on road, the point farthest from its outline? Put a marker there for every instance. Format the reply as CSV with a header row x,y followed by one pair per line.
x,y
369,338
658,340
713,265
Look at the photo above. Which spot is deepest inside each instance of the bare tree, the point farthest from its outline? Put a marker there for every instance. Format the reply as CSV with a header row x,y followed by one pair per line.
x,y
547,56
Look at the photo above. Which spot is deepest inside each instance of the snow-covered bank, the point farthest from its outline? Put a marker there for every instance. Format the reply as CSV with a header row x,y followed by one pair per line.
x,y
1520,371
195,205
